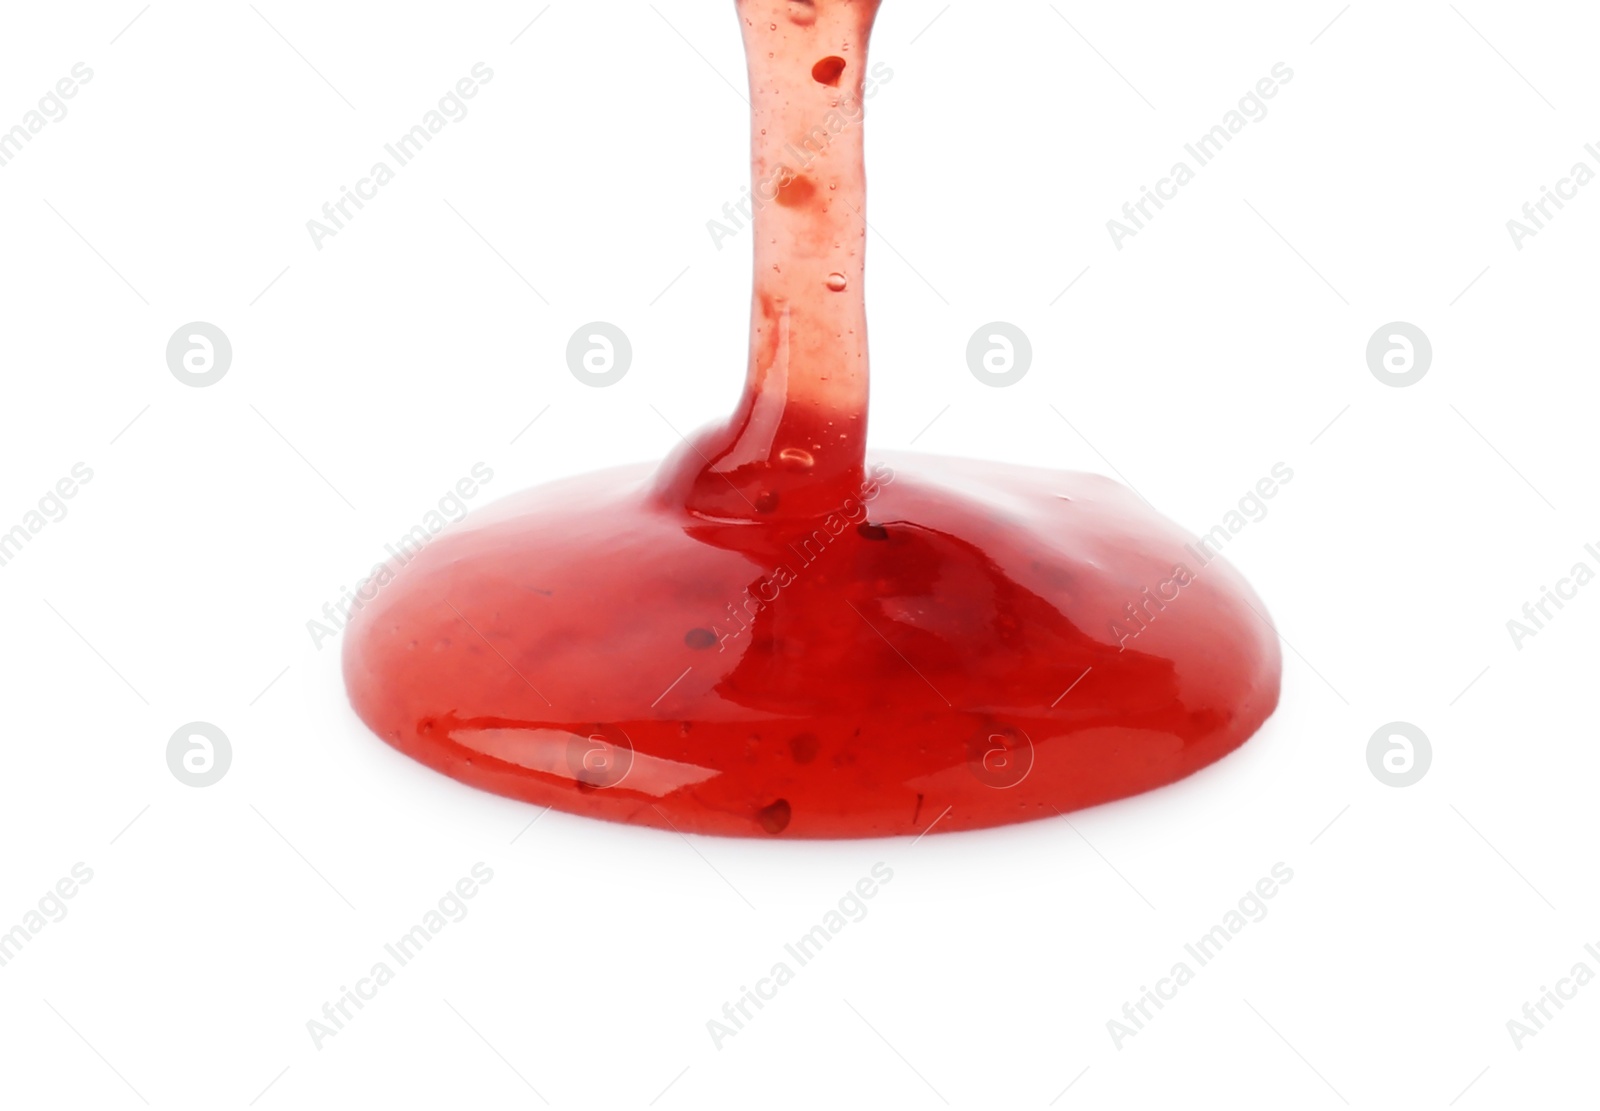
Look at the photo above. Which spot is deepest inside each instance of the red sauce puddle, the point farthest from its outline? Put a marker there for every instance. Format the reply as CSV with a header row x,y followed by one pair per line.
x,y
769,635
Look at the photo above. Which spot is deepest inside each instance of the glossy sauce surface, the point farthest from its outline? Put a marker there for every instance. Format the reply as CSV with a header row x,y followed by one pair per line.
x,y
768,635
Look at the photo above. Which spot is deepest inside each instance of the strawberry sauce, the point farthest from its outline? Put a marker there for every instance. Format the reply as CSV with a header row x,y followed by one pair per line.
x,y
774,634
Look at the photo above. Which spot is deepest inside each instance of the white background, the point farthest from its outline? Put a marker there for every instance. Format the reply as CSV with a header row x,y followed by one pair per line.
x,y
369,376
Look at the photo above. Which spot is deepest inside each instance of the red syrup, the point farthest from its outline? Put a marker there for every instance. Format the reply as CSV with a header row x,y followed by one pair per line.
x,y
770,636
